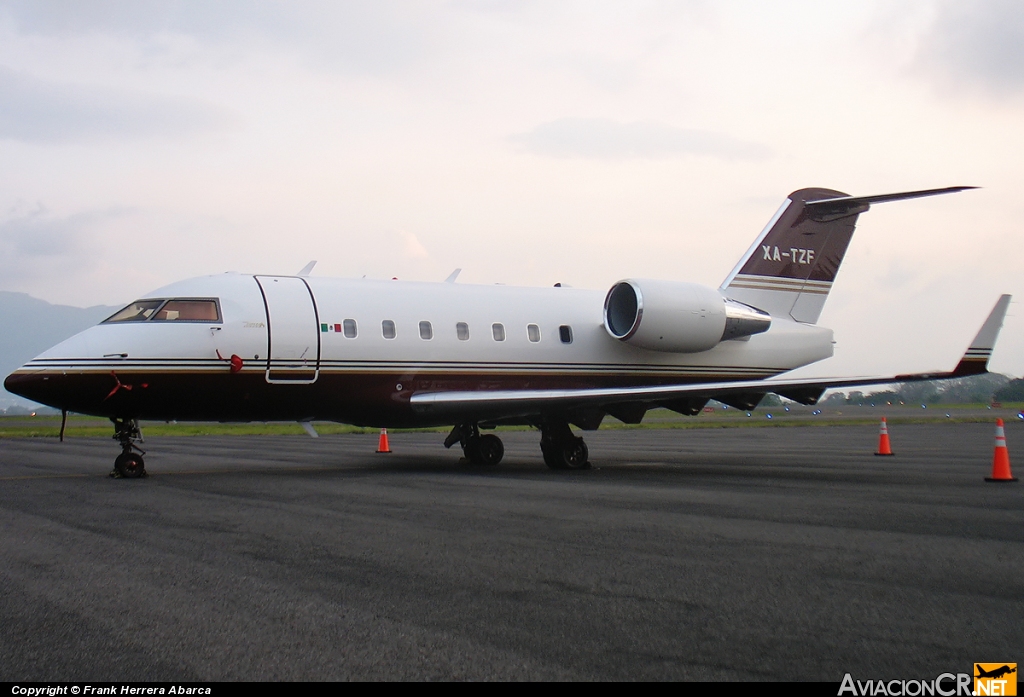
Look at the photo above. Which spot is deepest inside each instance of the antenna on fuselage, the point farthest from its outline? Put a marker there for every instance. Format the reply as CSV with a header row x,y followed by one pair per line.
x,y
307,268
452,276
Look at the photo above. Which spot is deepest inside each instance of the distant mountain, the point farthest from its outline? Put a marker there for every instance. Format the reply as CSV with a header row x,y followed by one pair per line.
x,y
29,326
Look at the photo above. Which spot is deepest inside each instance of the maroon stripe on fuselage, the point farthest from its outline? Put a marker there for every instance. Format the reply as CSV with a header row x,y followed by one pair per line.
x,y
365,399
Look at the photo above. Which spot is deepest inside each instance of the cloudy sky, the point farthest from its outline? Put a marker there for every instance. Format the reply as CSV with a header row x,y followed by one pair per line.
x,y
526,142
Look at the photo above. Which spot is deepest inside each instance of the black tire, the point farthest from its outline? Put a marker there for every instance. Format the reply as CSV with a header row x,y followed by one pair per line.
x,y
490,450
130,465
575,454
568,455
552,456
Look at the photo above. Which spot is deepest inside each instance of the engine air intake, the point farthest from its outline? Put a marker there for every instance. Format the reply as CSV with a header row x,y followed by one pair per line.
x,y
677,317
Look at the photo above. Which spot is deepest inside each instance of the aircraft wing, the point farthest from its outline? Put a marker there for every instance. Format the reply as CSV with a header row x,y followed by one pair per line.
x,y
629,403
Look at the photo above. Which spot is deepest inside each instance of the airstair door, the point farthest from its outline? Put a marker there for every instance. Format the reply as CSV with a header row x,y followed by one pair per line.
x,y
293,329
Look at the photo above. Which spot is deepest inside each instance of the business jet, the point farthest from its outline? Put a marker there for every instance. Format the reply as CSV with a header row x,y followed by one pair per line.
x,y
239,347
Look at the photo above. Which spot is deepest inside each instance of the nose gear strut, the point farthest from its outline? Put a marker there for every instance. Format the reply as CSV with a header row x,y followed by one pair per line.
x,y
129,464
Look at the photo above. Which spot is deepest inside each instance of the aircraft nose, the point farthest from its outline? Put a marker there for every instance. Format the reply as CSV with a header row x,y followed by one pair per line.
x,y
27,385
53,390
80,392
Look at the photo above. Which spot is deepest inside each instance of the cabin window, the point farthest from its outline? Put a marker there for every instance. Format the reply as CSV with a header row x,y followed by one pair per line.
x,y
533,332
565,334
498,331
138,311
426,331
387,328
462,331
350,328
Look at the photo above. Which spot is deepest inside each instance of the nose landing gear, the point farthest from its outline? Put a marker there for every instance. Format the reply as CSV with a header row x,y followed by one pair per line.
x,y
129,464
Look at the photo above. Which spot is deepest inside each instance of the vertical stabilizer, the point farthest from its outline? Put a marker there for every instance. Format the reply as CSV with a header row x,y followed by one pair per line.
x,y
791,266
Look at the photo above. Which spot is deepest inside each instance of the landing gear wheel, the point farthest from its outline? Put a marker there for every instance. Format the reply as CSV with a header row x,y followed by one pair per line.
x,y
489,450
563,450
551,457
567,455
485,451
130,465
574,455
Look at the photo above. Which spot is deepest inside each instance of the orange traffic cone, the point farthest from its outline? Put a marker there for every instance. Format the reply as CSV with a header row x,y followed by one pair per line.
x,y
883,440
1001,458
382,445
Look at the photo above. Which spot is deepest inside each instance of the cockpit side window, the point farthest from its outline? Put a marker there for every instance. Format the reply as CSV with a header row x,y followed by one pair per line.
x,y
138,311
188,310
173,310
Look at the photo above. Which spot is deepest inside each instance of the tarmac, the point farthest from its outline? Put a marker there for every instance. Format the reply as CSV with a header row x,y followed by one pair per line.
x,y
706,554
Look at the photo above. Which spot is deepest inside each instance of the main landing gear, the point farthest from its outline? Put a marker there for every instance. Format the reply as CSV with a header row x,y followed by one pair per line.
x,y
129,464
485,450
562,450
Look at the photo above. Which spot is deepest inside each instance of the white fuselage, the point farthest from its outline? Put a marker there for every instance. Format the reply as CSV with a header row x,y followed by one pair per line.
x,y
296,361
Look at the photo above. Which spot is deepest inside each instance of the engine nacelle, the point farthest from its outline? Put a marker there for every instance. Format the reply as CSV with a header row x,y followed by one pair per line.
x,y
677,317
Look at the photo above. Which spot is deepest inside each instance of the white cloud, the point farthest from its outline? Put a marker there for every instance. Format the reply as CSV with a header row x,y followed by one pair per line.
x,y
40,111
976,45
608,139
36,243
363,36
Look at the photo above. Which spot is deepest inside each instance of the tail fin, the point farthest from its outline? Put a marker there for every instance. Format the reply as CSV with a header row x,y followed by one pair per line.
x,y
790,268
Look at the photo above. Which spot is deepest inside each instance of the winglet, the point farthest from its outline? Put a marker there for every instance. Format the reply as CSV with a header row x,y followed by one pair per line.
x,y
307,268
452,276
975,359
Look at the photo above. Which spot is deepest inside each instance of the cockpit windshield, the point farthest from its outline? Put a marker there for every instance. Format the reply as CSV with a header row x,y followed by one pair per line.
x,y
138,311
188,311
169,310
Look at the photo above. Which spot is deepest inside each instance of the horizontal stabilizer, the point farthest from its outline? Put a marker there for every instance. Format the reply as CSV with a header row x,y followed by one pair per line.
x,y
847,202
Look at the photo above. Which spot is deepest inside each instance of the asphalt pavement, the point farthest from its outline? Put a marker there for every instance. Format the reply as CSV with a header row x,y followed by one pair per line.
x,y
767,553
